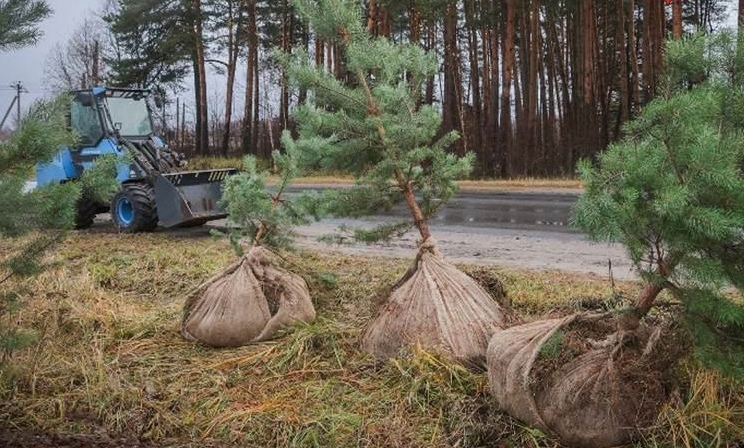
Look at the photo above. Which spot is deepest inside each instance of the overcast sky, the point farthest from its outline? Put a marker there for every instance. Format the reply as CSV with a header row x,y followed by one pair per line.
x,y
27,65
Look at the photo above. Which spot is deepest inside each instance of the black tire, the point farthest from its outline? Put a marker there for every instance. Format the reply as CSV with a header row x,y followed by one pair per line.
x,y
85,212
133,209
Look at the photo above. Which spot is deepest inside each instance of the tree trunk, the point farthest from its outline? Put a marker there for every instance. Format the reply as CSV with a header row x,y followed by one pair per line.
x,y
491,94
200,81
287,29
372,17
234,25
248,129
431,42
621,48
635,83
452,78
473,123
507,68
677,19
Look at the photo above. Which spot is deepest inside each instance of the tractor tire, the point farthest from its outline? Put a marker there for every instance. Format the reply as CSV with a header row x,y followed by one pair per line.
x,y
133,209
85,212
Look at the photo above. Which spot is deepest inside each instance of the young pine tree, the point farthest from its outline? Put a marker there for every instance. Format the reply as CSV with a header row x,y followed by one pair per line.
x,y
372,123
33,222
254,297
672,192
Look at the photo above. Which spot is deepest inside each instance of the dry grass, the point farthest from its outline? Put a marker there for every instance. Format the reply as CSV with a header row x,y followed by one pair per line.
x,y
111,359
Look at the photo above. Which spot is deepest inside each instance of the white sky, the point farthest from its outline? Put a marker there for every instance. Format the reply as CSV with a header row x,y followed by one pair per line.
x,y
27,65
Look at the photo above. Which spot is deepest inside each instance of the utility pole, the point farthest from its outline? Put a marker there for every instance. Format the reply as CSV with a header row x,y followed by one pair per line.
x,y
18,85
10,108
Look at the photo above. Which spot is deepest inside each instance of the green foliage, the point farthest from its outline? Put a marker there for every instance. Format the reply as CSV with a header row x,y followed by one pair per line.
x,y
672,192
39,136
99,182
154,40
372,124
19,22
265,214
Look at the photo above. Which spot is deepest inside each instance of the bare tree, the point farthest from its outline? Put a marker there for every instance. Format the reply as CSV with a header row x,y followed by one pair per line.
x,y
78,63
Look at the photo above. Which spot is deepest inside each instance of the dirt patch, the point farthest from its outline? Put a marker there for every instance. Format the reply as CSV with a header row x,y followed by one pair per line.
x,y
16,438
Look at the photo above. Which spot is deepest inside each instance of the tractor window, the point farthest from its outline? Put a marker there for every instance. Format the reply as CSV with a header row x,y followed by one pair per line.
x,y
85,122
132,114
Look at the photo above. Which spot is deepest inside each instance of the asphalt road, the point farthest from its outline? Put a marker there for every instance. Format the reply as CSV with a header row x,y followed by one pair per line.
x,y
521,229
524,229
533,210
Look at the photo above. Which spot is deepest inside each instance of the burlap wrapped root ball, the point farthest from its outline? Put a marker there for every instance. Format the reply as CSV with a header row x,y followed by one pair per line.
x,y
248,302
581,378
436,307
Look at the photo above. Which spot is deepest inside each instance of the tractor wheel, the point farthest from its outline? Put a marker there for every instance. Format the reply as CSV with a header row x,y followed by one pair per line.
x,y
85,212
133,209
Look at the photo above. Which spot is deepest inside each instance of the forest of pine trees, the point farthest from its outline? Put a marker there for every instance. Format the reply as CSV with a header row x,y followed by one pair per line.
x,y
531,86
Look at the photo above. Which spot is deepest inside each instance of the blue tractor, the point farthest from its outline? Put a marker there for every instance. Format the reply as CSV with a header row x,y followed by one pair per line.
x,y
155,187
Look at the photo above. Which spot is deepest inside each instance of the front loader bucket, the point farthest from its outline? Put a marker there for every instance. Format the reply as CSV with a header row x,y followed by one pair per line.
x,y
190,197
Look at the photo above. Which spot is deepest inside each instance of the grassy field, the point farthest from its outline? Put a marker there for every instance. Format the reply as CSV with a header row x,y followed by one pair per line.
x,y
110,359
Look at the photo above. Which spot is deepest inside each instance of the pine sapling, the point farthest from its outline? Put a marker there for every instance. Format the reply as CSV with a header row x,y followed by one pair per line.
x,y
672,192
37,220
373,124
254,297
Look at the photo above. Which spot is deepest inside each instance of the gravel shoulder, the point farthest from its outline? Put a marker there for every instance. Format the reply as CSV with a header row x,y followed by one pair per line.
x,y
517,248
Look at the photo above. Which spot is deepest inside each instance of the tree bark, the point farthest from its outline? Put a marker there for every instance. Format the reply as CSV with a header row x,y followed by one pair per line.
x,y
287,29
248,129
507,68
200,81
452,77
677,19
234,25
473,125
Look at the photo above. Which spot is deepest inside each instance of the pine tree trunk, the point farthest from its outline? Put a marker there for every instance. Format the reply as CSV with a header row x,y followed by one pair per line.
x,y
372,18
474,124
491,94
633,58
233,47
248,129
452,79
531,87
677,19
287,29
624,100
431,40
507,68
200,81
